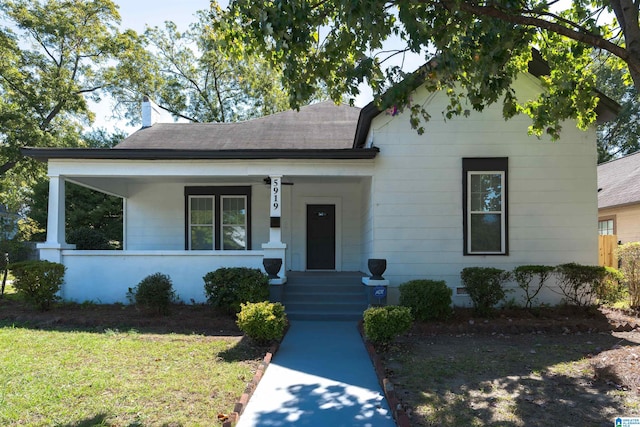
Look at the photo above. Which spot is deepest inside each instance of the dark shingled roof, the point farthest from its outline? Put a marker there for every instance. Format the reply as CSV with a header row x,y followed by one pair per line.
x,y
318,126
619,181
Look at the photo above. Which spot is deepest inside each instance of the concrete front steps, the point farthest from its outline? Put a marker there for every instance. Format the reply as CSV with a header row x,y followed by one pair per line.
x,y
330,296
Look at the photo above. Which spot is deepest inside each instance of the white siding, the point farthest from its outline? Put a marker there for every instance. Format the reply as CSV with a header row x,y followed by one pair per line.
x,y
417,192
105,276
155,218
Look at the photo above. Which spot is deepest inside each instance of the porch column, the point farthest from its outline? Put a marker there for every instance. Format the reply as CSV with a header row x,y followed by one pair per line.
x,y
275,248
51,249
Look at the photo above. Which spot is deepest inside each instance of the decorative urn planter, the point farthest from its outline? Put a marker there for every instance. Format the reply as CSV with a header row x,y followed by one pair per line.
x,y
377,266
272,267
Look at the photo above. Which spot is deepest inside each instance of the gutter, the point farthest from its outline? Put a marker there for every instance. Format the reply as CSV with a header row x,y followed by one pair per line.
x,y
44,154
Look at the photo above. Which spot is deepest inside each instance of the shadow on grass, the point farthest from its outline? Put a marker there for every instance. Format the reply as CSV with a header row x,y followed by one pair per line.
x,y
196,319
97,420
530,379
100,420
244,349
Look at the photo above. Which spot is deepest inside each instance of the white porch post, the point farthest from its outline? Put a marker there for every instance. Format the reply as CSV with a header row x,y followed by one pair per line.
x,y
51,249
275,248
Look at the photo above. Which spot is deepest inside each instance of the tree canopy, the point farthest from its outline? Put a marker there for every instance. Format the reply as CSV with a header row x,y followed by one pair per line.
x,y
54,57
57,55
473,49
195,76
622,135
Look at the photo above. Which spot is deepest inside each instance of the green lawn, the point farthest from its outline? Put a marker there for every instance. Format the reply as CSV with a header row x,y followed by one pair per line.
x,y
67,378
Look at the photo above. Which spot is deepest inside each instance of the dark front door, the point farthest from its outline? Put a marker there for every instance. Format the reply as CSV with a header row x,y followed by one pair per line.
x,y
321,237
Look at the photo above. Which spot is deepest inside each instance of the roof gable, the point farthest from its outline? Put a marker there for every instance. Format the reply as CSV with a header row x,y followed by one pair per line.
x,y
619,181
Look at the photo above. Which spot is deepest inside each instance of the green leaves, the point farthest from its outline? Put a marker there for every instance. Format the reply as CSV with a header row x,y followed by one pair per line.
x,y
54,56
200,76
479,48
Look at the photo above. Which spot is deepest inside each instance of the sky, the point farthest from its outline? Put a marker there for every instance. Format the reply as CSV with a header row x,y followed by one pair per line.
x,y
136,14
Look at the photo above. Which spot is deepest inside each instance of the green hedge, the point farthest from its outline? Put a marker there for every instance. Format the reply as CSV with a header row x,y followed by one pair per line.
x,y
38,282
427,299
485,286
227,288
383,324
154,291
262,321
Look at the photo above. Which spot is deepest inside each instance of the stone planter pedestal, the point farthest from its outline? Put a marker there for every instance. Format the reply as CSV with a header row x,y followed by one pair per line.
x,y
376,284
272,266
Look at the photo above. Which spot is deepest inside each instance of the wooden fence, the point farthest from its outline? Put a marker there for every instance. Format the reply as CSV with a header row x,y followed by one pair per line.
x,y
607,245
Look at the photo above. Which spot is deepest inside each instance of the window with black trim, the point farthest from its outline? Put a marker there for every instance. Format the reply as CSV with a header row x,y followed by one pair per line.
x,y
485,220
218,218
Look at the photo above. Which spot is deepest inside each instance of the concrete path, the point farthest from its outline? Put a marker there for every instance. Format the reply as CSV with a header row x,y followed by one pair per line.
x,y
321,376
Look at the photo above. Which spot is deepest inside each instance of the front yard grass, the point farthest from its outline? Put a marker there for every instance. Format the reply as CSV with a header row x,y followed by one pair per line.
x,y
119,378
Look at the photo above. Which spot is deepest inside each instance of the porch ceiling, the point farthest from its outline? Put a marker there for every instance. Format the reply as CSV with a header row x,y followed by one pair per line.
x,y
120,186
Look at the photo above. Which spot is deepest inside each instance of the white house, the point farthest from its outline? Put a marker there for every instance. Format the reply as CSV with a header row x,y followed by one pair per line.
x,y
327,188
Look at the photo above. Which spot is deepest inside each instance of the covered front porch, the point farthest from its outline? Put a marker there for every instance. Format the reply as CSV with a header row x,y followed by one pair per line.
x,y
312,216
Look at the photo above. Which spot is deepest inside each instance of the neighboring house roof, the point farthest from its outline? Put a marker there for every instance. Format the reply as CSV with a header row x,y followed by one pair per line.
x,y
323,125
619,181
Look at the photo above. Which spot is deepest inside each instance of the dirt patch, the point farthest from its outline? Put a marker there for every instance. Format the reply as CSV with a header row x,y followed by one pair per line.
x,y
551,367
182,318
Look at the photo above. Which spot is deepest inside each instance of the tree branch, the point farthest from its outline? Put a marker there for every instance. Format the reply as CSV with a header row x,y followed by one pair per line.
x,y
178,114
590,39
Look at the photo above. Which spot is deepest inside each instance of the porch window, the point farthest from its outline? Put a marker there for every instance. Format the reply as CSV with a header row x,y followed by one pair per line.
x,y
234,222
218,218
485,206
201,222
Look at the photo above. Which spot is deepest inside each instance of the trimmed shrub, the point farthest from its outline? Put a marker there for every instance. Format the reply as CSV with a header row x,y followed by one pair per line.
x,y
531,279
262,321
427,299
629,256
383,324
227,288
612,288
38,282
485,287
155,292
86,238
578,283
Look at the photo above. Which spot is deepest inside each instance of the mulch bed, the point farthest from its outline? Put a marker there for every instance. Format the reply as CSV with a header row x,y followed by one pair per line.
x,y
182,318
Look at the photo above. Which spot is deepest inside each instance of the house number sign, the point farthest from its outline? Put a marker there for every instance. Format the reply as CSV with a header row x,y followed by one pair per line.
x,y
276,197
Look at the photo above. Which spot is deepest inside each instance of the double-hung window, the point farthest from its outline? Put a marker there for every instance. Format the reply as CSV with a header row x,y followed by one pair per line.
x,y
218,218
234,222
485,206
201,222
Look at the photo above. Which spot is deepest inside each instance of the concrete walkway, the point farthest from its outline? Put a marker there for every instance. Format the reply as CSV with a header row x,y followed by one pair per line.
x,y
321,376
